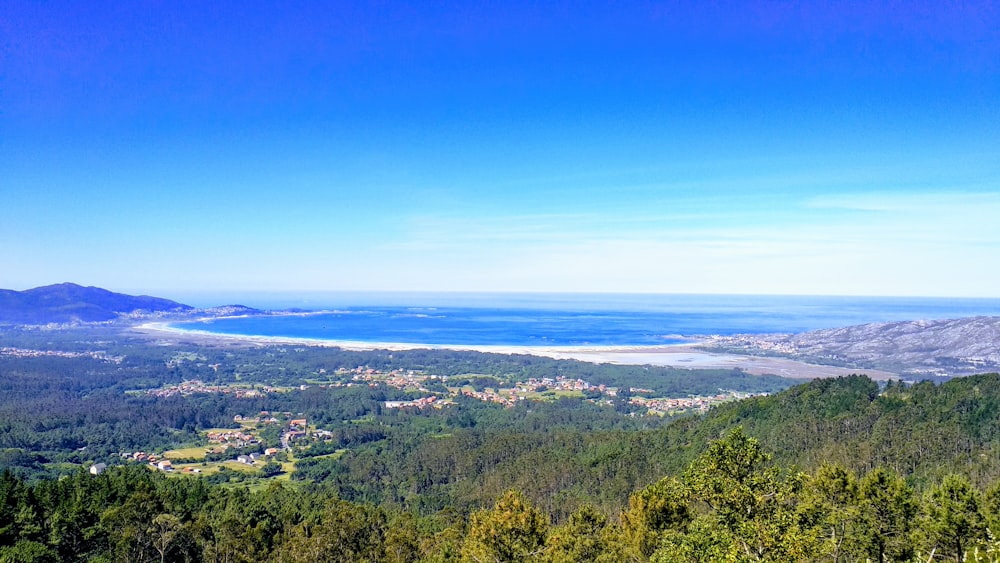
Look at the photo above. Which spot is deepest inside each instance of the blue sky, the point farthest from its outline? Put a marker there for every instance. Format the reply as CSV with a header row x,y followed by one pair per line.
x,y
776,148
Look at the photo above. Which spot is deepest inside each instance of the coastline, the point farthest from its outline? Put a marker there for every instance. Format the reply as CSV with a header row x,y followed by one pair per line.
x,y
684,355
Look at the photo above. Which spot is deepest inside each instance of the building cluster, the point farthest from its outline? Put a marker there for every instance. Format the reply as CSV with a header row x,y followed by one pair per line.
x,y
29,353
254,457
506,398
398,378
423,402
153,460
664,406
265,417
560,383
195,387
139,456
297,429
747,341
239,438
262,419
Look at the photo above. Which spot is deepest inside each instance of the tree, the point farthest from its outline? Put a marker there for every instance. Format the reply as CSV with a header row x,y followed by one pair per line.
x,y
443,547
513,531
348,533
887,512
832,503
953,520
581,540
402,540
654,510
750,503
26,550
129,527
270,469
706,540
166,532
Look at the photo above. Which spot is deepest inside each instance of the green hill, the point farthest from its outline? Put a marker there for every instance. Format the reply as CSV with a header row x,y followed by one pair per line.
x,y
921,430
840,472
563,456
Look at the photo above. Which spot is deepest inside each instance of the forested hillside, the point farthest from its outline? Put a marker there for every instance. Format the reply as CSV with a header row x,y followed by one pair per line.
x,y
564,458
570,473
729,504
921,430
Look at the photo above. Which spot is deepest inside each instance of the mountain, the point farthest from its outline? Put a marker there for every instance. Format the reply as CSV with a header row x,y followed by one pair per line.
x,y
70,303
913,348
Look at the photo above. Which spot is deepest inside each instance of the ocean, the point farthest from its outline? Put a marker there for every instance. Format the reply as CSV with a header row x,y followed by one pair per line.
x,y
566,320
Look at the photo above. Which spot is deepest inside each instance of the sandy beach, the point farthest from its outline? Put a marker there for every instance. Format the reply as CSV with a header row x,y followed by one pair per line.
x,y
674,355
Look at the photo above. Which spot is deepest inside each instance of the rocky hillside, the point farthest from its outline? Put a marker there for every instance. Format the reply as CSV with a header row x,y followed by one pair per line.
x,y
913,348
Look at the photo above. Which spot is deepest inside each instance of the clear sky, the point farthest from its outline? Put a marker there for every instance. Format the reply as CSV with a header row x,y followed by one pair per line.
x,y
704,147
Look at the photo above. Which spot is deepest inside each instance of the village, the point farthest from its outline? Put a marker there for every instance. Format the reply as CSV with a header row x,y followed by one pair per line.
x,y
676,406
537,389
195,387
534,389
246,449
30,353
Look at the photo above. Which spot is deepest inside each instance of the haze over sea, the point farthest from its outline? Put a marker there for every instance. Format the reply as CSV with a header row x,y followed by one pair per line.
x,y
554,320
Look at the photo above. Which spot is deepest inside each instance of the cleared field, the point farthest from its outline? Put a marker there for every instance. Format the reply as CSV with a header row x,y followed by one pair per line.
x,y
207,469
333,455
240,466
548,395
194,452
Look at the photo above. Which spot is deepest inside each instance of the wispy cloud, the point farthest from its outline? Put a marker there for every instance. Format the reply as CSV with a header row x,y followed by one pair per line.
x,y
927,202
869,243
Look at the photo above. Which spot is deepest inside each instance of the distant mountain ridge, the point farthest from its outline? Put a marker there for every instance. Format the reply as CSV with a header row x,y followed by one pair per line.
x,y
926,347
72,303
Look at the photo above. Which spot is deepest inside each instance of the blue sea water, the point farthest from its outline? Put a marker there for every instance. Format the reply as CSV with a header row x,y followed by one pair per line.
x,y
569,319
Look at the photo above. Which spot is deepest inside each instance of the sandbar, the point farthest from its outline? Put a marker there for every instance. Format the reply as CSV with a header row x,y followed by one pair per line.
x,y
673,355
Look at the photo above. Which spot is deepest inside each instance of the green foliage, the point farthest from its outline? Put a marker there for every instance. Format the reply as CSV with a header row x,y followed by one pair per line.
x,y
27,550
270,469
832,470
832,502
730,504
888,509
57,409
345,533
512,531
953,516
580,540
753,505
659,508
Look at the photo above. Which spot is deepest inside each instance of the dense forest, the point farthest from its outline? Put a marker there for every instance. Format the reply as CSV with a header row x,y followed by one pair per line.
x,y
76,396
729,504
838,469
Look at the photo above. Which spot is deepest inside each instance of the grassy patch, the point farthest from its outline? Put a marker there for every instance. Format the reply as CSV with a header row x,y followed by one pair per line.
x,y
333,455
193,452
206,469
320,381
240,466
207,430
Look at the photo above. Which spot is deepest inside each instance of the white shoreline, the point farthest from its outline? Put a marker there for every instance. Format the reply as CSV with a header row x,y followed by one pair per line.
x,y
682,355
361,345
